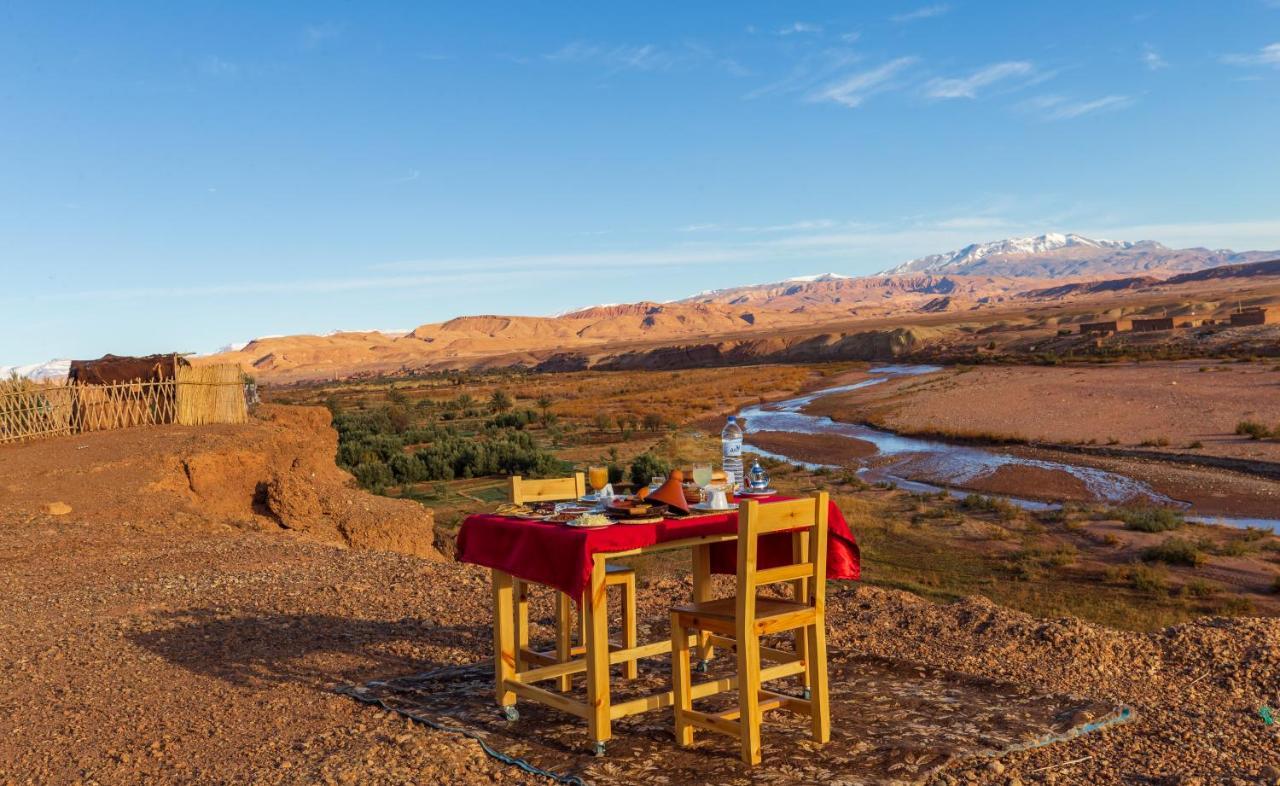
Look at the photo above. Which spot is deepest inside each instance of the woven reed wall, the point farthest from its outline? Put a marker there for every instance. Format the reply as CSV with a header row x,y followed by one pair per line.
x,y
211,394
199,395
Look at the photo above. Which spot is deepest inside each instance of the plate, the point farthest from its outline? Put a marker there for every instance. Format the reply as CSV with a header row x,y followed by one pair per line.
x,y
706,508
756,493
575,525
642,520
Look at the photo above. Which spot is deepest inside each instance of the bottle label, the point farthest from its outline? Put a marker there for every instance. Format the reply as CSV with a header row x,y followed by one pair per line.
x,y
733,448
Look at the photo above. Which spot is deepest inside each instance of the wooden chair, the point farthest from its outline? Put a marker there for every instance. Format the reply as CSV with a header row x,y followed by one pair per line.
x,y
558,489
748,616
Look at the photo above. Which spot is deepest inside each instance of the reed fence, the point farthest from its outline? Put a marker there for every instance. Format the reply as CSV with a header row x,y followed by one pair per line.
x,y
211,394
199,395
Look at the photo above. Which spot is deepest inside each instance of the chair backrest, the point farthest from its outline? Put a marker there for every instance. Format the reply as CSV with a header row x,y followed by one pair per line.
x,y
547,489
805,521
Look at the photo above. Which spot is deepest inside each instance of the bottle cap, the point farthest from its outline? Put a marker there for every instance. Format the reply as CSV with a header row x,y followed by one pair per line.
x,y
733,418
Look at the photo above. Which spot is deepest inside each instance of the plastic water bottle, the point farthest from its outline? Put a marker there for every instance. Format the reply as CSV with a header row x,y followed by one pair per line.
x,y
731,446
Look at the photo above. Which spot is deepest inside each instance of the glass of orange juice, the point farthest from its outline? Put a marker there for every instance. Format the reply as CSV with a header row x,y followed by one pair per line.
x,y
598,477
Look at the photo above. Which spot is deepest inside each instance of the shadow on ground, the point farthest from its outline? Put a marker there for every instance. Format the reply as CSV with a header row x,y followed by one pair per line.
x,y
313,649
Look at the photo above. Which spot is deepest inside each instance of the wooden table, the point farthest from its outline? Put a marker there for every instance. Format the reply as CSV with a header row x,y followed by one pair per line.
x,y
599,709
576,561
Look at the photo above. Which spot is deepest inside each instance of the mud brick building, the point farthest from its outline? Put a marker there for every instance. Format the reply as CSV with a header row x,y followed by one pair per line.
x,y
1112,326
1157,323
1256,316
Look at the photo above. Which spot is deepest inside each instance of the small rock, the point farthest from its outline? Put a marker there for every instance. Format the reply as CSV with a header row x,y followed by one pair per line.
x,y
995,766
57,508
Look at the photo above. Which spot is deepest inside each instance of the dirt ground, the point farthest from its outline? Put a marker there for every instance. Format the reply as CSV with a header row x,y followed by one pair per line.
x,y
135,656
185,621
813,448
1175,403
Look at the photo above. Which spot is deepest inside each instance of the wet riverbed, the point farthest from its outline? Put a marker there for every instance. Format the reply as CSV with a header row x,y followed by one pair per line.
x,y
906,460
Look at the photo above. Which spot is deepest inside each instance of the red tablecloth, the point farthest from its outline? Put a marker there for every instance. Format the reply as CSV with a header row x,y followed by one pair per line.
x,y
561,556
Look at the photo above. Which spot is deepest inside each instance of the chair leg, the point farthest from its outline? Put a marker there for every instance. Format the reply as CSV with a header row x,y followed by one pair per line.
x,y
749,696
564,638
521,593
819,706
681,681
629,638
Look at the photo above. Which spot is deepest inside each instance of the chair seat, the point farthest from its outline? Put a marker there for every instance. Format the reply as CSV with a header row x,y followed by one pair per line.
x,y
772,614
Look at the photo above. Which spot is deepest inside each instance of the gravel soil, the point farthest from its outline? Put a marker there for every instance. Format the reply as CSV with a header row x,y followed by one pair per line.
x,y
132,655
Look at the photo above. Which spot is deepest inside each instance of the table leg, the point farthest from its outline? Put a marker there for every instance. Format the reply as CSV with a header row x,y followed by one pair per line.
x,y
564,637
595,607
504,655
520,595
702,593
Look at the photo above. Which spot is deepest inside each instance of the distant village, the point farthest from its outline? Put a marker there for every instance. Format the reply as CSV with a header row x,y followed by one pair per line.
x,y
1247,316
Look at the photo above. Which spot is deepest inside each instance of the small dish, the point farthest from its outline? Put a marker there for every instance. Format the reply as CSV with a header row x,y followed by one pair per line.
x,y
706,508
756,492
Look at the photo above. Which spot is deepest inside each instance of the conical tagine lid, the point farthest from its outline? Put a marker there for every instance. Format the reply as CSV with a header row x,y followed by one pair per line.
x,y
672,492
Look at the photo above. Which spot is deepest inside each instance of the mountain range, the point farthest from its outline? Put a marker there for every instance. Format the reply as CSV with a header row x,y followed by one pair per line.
x,y
969,281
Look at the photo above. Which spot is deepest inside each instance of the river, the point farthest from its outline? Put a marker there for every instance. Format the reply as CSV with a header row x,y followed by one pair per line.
x,y
945,464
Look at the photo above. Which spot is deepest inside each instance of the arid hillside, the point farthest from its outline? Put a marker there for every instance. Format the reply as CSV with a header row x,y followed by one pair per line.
x,y
273,474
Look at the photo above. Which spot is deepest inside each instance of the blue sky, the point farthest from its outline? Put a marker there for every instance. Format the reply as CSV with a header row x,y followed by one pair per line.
x,y
177,176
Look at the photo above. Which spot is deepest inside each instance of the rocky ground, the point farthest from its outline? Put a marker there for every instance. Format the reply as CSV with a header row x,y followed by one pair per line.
x,y
135,656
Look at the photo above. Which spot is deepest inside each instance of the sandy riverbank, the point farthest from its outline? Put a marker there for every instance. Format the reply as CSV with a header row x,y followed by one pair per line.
x,y
1162,406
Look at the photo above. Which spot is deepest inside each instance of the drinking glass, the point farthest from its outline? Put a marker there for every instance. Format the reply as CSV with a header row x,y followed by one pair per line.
x,y
598,477
701,475
656,482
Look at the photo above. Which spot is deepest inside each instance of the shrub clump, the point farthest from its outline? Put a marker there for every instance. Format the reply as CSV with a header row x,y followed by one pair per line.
x,y
1253,430
1175,551
980,503
1150,519
648,465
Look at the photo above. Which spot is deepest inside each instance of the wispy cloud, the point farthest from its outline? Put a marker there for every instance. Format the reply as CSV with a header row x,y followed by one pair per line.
x,y
641,57
1053,107
1152,59
317,35
800,27
926,12
853,89
408,177
968,86
868,246
217,67
1268,55
812,68
806,225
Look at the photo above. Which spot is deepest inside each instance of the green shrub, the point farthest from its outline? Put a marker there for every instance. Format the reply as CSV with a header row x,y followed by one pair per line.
x,y
1252,429
1148,579
1199,588
646,465
981,503
1150,519
517,419
1175,551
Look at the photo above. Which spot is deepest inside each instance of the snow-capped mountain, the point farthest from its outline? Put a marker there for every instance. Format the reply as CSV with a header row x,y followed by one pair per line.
x,y
816,278
51,370
963,261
